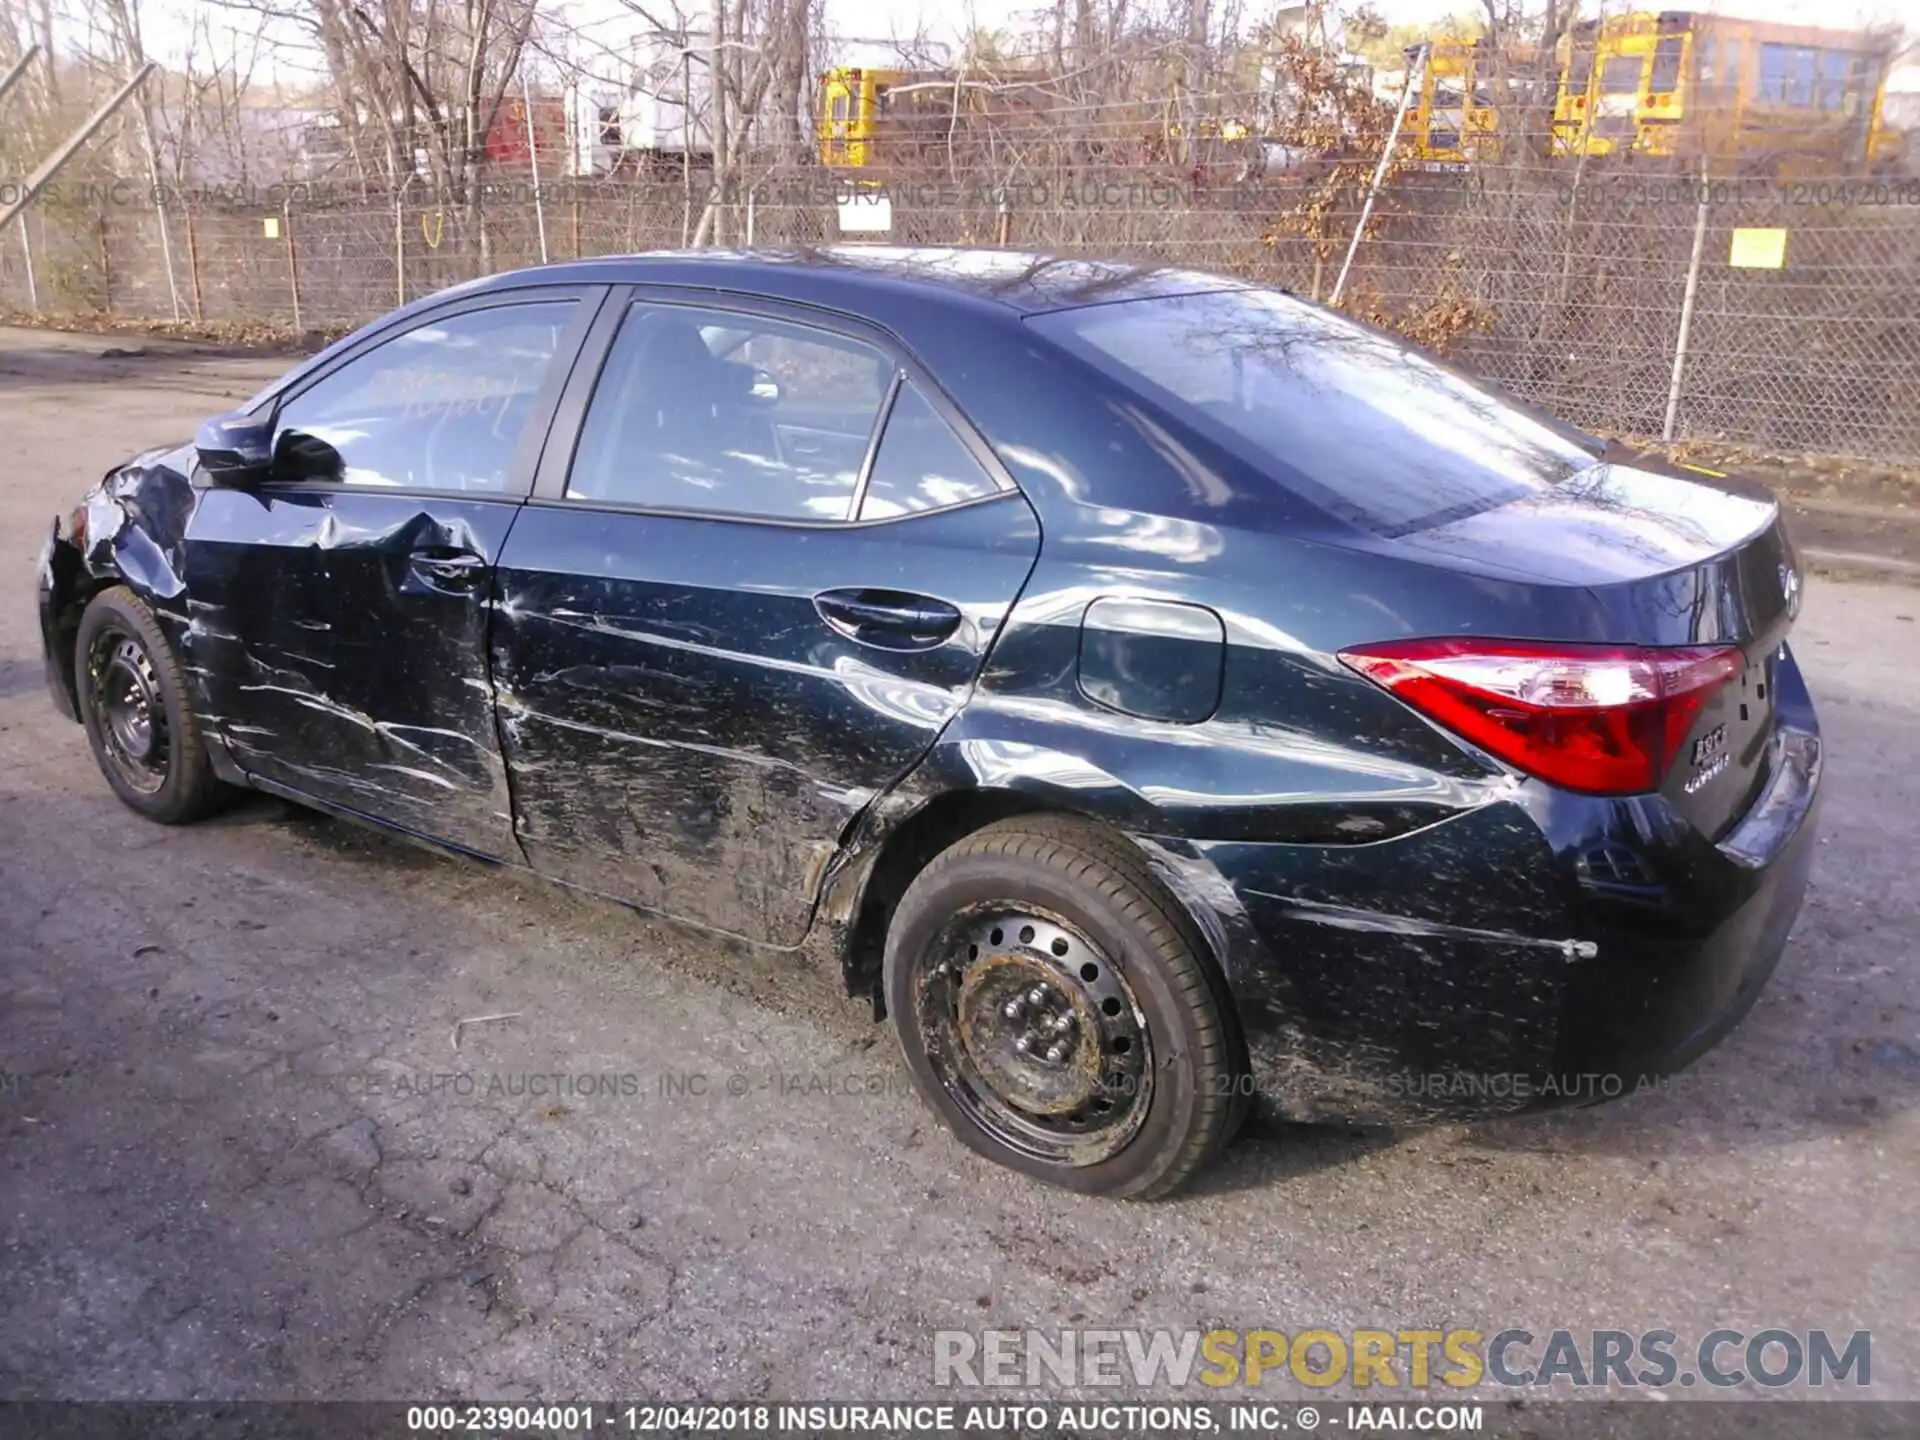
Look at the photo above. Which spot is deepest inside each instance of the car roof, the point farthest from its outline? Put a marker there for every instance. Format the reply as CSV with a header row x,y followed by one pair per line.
x,y
855,277
912,290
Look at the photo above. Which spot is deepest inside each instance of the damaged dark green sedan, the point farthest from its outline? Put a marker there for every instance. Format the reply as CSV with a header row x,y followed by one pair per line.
x,y
1153,692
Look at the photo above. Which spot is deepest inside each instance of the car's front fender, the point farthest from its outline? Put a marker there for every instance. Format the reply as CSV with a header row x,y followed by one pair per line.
x,y
129,529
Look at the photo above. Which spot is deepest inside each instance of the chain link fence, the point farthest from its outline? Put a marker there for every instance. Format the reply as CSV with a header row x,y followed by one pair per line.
x,y
1613,297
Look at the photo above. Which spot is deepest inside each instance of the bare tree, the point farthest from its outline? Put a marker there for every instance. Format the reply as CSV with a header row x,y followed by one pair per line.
x,y
417,86
757,61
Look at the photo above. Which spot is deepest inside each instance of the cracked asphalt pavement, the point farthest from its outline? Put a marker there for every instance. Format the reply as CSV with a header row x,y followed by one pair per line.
x,y
248,1149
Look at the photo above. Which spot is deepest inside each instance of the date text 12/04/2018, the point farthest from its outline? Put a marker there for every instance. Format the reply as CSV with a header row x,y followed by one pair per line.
x,y
926,1419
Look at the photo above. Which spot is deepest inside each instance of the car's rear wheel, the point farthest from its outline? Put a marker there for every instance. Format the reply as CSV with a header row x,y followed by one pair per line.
x,y
133,701
1056,1008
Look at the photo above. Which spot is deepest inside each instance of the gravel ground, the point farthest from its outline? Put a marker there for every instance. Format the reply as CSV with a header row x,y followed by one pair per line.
x,y
227,1169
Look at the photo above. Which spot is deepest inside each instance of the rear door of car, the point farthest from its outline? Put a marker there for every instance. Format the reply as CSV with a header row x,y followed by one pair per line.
x,y
340,609
762,565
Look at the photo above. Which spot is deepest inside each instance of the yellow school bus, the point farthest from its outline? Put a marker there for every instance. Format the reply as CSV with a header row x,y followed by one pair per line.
x,y
1469,100
1455,117
1744,93
870,116
849,108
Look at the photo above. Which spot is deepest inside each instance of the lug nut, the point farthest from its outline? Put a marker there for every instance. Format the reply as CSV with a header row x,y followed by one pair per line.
x,y
1023,1044
1056,1052
1062,1024
1037,995
1013,1008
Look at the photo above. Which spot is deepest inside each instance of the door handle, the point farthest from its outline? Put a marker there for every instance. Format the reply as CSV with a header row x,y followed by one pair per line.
x,y
449,569
889,619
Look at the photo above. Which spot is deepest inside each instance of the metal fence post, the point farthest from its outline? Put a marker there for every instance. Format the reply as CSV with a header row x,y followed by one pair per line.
x,y
1686,311
26,249
193,270
533,162
106,265
20,67
166,251
21,196
400,243
293,261
1416,77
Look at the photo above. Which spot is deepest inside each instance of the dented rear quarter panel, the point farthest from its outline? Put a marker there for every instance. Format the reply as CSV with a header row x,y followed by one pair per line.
x,y
1385,903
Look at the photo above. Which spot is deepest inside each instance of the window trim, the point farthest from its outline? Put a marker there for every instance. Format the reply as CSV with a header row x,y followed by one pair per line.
x,y
901,379
880,419
569,421
522,468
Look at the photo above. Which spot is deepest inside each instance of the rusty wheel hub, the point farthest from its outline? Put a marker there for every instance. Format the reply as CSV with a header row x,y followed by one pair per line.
x,y
132,713
1036,1035
1033,1038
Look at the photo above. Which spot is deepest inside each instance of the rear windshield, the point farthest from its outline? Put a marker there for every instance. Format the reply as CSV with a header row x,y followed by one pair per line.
x,y
1353,420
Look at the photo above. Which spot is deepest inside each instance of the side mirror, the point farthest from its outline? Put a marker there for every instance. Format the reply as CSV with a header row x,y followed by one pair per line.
x,y
300,456
235,449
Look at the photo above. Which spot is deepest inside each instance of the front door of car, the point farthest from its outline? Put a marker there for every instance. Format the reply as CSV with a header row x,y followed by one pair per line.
x,y
340,608
741,605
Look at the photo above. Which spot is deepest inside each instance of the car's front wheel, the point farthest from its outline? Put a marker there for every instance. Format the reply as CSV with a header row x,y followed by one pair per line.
x,y
1054,1005
133,701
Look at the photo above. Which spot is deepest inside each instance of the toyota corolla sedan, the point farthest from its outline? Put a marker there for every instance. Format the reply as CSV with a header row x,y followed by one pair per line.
x,y
1154,693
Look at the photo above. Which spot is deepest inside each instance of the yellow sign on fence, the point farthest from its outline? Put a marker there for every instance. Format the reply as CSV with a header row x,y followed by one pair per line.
x,y
271,227
1759,249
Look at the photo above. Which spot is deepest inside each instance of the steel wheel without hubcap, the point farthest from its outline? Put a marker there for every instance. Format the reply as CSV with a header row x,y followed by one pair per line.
x,y
1054,1004
1035,1035
133,716
133,699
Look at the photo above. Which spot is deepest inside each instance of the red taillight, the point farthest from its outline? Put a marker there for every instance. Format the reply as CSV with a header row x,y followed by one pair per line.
x,y
1606,720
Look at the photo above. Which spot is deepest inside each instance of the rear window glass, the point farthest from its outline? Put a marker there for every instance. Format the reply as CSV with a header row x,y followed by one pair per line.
x,y
1350,418
1621,75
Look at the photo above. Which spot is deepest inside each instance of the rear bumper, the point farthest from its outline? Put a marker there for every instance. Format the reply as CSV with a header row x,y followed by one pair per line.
x,y
1666,1001
1528,954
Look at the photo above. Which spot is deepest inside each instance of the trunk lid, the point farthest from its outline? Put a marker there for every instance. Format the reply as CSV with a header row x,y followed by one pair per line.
x,y
1669,561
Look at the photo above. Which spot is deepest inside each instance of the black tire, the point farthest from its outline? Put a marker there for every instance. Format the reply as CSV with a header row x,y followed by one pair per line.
x,y
121,653
1097,1128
